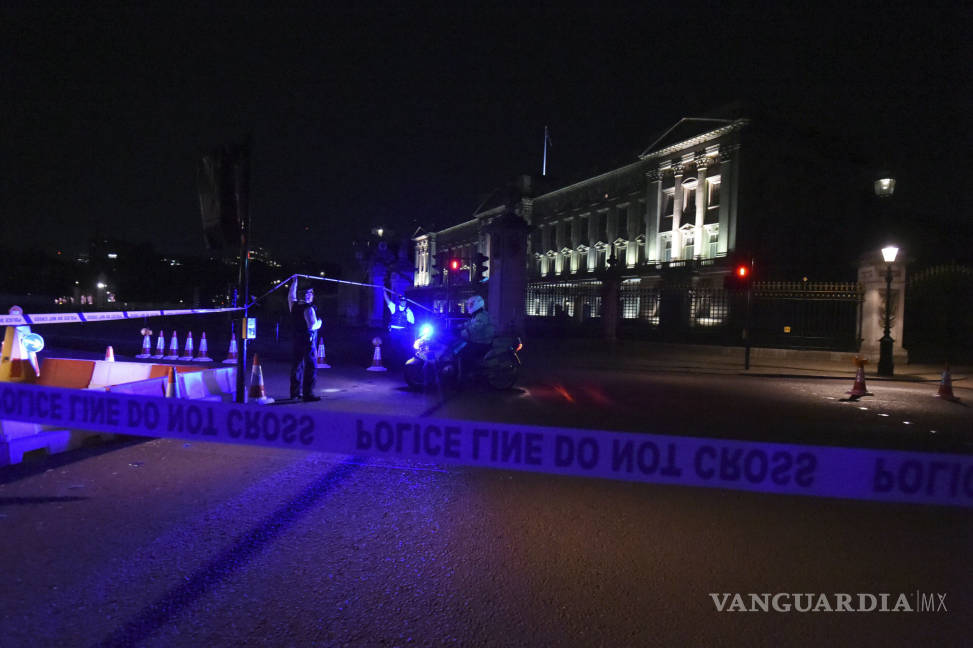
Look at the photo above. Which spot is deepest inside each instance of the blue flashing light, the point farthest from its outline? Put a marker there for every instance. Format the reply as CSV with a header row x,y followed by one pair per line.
x,y
426,330
33,342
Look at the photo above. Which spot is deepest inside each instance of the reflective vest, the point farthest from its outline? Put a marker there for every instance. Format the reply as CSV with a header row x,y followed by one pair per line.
x,y
400,319
303,337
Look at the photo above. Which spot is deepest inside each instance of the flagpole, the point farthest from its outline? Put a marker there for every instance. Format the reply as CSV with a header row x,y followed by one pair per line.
x,y
544,163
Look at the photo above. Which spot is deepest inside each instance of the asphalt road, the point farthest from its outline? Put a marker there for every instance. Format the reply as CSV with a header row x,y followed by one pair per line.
x,y
168,543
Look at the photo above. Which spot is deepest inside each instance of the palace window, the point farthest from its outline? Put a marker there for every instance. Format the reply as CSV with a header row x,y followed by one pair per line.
x,y
713,192
666,248
689,196
668,204
621,223
713,241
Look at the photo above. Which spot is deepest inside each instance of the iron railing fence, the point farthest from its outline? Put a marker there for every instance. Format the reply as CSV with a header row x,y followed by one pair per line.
x,y
809,315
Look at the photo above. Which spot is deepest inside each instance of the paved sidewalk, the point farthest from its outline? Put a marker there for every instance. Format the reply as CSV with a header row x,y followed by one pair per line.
x,y
649,356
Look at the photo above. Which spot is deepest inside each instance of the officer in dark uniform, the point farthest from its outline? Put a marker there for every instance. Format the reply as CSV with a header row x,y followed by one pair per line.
x,y
402,325
306,325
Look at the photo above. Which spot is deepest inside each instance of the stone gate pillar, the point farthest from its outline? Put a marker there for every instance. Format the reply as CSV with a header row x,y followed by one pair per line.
x,y
871,274
508,273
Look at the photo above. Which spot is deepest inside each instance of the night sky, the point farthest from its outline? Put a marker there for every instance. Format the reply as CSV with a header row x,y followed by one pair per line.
x,y
381,115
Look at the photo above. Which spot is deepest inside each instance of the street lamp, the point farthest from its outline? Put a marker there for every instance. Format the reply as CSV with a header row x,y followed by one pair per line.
x,y
885,187
886,366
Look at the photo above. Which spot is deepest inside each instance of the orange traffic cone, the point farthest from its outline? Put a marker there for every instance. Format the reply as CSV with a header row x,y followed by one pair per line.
x,y
231,355
257,392
172,387
173,348
109,354
160,346
377,356
146,344
321,361
187,354
946,387
859,389
203,351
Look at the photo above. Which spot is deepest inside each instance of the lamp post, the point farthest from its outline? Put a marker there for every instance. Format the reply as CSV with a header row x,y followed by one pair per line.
x,y
886,366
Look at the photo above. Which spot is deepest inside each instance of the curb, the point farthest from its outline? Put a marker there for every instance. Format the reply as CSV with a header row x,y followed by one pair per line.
x,y
764,373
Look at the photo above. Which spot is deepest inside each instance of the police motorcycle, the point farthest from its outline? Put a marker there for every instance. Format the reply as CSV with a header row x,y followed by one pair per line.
x,y
436,360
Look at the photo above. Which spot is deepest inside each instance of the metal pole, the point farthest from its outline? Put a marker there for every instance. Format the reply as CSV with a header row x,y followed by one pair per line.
x,y
446,286
746,326
241,170
746,333
886,364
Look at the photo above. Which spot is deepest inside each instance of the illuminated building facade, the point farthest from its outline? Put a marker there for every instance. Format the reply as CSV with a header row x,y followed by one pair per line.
x,y
706,195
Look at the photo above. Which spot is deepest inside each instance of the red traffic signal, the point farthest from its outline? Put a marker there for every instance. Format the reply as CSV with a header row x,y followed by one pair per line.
x,y
454,264
739,277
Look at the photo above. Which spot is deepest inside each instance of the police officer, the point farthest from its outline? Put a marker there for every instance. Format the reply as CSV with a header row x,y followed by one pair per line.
x,y
306,325
478,333
402,326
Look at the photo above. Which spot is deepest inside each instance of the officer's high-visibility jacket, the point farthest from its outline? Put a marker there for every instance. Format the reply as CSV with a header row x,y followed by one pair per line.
x,y
479,330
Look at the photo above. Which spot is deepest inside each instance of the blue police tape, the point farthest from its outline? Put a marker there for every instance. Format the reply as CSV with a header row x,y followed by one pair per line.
x,y
884,475
102,316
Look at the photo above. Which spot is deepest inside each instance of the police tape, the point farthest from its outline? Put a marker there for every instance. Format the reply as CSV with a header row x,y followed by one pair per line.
x,y
22,319
854,473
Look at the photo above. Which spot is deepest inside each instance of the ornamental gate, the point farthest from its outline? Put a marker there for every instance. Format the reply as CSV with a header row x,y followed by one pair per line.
x,y
939,314
807,315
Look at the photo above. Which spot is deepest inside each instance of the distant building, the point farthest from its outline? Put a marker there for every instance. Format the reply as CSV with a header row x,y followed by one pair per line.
x,y
707,194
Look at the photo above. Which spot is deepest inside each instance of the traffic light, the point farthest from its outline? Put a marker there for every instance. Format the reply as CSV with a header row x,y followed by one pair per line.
x,y
454,265
740,276
480,266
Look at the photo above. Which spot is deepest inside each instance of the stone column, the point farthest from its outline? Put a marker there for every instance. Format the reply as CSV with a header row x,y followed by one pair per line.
x,y
653,197
677,212
729,160
871,274
701,202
